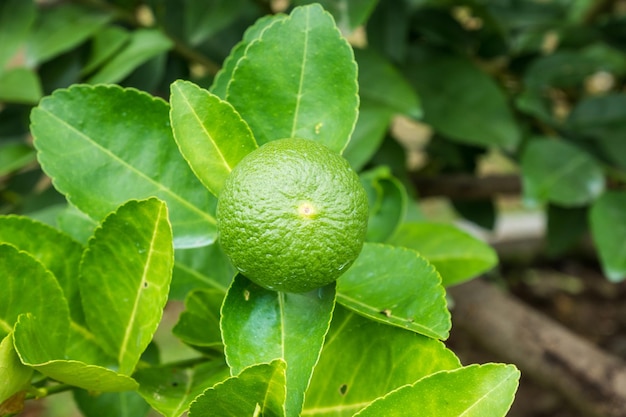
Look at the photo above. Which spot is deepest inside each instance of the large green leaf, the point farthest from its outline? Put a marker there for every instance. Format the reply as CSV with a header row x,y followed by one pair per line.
x,y
462,102
260,325
125,277
55,250
259,390
224,75
473,391
455,254
363,360
20,85
144,44
398,287
105,145
387,200
608,226
209,132
171,389
61,28
558,172
16,18
199,324
349,14
15,375
119,404
305,88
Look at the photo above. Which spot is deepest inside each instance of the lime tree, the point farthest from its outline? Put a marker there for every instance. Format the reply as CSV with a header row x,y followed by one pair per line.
x,y
292,215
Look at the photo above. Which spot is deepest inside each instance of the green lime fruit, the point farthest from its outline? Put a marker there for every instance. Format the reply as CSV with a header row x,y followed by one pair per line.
x,y
292,215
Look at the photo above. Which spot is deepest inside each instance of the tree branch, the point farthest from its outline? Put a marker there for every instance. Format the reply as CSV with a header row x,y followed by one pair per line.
x,y
467,187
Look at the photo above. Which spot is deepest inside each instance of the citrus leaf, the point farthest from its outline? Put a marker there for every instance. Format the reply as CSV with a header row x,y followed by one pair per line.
x,y
368,134
608,227
59,29
363,360
206,267
130,257
455,254
15,155
20,85
16,19
55,250
387,200
105,145
396,286
143,45
119,404
462,102
105,44
260,325
209,132
259,390
224,75
558,172
473,391
170,389
15,375
199,324
309,87
29,288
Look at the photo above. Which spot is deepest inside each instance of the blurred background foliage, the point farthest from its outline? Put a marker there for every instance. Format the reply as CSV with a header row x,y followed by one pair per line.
x,y
537,83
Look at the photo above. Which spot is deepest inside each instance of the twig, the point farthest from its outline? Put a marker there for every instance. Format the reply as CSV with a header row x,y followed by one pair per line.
x,y
467,187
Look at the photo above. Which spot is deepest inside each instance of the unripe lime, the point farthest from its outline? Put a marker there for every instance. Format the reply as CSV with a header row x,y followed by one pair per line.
x,y
292,215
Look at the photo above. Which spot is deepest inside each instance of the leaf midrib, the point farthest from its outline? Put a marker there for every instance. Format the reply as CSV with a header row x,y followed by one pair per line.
x,y
301,81
125,164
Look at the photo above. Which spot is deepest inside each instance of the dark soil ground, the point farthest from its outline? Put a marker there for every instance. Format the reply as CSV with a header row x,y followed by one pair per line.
x,y
577,296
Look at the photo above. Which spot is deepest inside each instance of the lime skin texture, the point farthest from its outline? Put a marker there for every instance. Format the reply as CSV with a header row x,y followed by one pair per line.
x,y
292,215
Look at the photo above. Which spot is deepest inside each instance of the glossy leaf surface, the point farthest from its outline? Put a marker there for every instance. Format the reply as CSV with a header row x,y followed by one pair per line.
x,y
313,92
608,226
561,173
363,360
259,390
123,305
121,148
398,287
455,254
210,134
260,325
473,391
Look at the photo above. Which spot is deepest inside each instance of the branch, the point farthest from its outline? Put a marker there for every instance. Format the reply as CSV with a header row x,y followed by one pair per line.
x,y
467,187
591,380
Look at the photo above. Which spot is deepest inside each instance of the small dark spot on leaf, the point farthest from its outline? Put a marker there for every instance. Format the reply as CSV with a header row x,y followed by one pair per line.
x,y
343,389
145,284
386,312
174,384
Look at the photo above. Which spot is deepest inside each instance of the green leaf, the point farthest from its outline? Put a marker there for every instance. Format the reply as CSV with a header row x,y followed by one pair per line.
x,y
474,391
105,44
457,255
15,155
349,14
16,19
59,29
602,119
120,404
130,258
368,134
462,102
144,44
105,145
608,227
15,375
396,286
199,324
259,390
206,267
363,360
20,85
225,74
381,83
55,250
209,132
29,288
202,19
387,200
260,325
558,172
305,88
76,224
171,389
